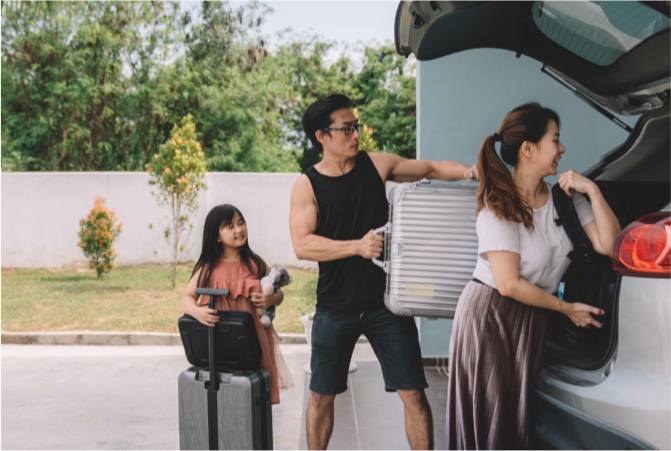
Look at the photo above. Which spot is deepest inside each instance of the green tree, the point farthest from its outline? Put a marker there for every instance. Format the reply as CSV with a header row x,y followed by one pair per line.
x,y
387,100
177,172
301,76
233,89
98,86
66,92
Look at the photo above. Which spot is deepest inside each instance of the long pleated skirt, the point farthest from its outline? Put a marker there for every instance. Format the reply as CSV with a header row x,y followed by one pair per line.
x,y
495,356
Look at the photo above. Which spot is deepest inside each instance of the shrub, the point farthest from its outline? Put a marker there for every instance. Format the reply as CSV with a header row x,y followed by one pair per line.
x,y
97,232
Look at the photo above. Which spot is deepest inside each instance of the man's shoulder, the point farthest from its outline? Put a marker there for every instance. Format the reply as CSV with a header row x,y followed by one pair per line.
x,y
302,184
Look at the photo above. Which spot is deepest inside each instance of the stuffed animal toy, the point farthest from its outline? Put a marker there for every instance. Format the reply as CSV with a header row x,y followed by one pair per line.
x,y
277,277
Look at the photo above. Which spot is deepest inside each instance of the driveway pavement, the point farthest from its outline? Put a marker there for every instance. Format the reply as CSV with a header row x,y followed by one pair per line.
x,y
125,397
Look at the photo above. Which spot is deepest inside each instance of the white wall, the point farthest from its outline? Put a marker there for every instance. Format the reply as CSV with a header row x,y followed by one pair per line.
x,y
41,213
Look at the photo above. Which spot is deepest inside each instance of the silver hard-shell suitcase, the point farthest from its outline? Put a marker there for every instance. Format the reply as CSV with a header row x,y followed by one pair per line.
x,y
244,409
430,247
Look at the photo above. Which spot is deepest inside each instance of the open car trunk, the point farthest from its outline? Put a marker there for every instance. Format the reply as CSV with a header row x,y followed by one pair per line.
x,y
613,55
642,188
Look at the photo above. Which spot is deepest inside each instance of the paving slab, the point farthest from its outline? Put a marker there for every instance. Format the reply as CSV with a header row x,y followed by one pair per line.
x,y
112,397
125,397
369,418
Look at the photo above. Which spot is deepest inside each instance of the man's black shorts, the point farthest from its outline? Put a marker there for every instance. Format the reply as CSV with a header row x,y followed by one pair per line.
x,y
394,340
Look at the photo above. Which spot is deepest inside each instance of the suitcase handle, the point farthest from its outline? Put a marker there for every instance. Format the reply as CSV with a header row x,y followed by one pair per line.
x,y
386,229
213,386
212,292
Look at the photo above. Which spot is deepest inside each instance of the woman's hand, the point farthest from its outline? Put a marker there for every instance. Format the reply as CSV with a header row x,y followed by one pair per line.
x,y
206,315
572,181
581,314
260,300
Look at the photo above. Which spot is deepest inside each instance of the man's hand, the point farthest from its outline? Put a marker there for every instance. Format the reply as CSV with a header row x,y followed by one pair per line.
x,y
370,246
472,173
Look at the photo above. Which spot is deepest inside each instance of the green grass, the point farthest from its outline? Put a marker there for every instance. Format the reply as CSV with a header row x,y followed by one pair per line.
x,y
129,299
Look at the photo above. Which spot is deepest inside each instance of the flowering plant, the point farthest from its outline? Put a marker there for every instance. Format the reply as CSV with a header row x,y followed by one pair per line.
x,y
97,232
178,171
366,141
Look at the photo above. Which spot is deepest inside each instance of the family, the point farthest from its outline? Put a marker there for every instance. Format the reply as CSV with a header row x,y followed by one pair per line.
x,y
502,315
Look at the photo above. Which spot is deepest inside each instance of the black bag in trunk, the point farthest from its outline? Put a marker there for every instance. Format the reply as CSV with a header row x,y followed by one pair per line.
x,y
585,277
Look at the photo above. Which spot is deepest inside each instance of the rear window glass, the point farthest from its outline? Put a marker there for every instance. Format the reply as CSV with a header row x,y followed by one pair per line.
x,y
599,32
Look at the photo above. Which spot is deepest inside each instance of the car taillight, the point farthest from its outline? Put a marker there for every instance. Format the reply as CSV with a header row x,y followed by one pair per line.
x,y
643,248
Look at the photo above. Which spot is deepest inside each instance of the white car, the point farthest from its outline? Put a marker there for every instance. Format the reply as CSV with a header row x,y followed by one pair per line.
x,y
608,388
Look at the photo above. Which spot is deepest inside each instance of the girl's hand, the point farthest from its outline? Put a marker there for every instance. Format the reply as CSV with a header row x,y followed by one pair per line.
x,y
581,314
260,300
572,181
206,315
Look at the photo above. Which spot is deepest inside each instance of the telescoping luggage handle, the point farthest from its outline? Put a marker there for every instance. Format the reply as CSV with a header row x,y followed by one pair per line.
x,y
213,385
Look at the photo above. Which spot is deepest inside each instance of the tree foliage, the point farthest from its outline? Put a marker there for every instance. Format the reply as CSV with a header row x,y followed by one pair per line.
x,y
177,172
91,86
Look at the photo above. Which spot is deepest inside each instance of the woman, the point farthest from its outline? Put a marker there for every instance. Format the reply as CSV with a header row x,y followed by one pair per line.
x,y
500,322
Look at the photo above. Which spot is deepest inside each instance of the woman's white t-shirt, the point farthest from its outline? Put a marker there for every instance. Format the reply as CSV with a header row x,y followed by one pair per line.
x,y
542,251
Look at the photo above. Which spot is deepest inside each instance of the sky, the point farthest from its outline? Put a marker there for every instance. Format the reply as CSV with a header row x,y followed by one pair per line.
x,y
347,22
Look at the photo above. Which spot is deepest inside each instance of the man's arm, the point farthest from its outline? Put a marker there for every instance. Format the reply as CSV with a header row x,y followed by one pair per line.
x,y
303,217
397,169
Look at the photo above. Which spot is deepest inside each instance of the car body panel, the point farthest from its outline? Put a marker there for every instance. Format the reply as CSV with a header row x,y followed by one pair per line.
x,y
637,386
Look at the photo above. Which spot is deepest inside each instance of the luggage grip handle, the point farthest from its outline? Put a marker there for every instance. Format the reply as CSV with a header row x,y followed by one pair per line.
x,y
386,229
213,293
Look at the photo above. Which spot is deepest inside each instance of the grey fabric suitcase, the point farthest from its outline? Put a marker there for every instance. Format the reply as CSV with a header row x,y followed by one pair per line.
x,y
244,409
430,247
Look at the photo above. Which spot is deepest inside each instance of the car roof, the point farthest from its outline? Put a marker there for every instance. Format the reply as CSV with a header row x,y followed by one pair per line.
x,y
616,51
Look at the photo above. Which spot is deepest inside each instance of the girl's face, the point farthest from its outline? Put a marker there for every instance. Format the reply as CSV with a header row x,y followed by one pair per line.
x,y
234,235
548,151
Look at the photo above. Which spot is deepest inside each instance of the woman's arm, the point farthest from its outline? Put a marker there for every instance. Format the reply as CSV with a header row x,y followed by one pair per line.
x,y
506,269
603,231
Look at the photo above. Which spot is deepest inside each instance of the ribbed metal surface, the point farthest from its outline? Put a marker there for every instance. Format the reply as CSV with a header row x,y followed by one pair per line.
x,y
431,248
243,410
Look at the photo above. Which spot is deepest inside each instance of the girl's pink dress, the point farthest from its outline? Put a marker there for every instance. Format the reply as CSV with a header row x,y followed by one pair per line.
x,y
235,277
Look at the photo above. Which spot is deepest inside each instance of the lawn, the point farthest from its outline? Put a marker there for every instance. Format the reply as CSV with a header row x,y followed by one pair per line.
x,y
129,299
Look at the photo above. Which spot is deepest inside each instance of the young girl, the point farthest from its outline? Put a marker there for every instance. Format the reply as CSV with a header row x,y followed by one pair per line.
x,y
226,261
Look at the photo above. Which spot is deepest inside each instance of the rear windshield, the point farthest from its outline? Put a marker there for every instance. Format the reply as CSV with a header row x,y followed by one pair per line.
x,y
599,32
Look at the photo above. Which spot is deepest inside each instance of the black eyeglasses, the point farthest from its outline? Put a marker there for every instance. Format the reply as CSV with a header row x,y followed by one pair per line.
x,y
349,130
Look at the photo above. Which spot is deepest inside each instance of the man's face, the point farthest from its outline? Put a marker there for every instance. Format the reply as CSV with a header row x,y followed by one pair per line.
x,y
338,142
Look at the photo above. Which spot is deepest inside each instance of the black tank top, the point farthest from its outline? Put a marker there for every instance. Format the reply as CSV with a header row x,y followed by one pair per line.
x,y
349,206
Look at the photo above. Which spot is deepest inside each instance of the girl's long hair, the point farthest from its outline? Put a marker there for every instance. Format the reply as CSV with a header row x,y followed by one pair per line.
x,y
497,189
212,250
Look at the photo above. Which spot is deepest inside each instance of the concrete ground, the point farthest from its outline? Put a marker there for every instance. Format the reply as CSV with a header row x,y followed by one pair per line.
x,y
125,397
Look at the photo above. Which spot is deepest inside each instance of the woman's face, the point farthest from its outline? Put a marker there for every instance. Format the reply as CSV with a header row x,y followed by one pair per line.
x,y
548,151
234,234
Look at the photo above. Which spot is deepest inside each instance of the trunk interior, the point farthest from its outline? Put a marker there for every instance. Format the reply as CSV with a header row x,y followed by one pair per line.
x,y
634,179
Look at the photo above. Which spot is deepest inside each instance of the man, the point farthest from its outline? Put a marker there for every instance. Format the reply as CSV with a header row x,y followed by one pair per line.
x,y
335,207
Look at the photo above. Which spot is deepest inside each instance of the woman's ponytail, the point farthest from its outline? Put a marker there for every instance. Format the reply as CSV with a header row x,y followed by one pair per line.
x,y
497,190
